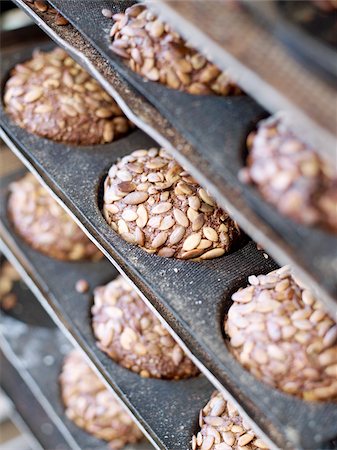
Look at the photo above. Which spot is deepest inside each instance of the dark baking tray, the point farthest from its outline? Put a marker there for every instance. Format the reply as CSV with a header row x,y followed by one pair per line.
x,y
213,157
193,307
167,409
29,416
37,354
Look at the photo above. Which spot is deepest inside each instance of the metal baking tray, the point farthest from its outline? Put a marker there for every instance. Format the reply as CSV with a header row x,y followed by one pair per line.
x,y
37,354
214,159
29,416
168,427
232,38
192,298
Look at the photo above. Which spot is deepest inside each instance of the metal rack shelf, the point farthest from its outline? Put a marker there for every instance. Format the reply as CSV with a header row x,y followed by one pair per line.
x,y
203,343
29,417
31,360
71,312
203,306
253,51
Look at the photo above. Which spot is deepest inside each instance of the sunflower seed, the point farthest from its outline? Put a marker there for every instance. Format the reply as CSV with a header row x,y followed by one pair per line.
x,y
192,241
177,235
204,243
43,109
192,214
245,439
34,94
198,222
194,202
207,443
135,198
128,338
205,197
103,113
122,227
167,223
331,337
155,222
41,5
260,444
161,208
142,216
166,252
129,215
195,253
139,236
108,132
210,234
181,217
214,253
159,240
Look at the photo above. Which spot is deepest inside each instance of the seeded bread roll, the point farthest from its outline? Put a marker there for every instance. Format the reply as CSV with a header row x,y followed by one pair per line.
x,y
153,202
92,407
158,53
290,175
44,224
222,428
132,336
53,97
283,336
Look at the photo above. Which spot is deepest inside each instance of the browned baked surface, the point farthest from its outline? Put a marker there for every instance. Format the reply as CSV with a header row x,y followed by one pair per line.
x,y
53,97
153,202
290,175
283,336
131,335
92,407
45,225
222,428
155,51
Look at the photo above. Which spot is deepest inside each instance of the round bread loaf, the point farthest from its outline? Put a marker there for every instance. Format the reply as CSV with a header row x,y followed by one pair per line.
x,y
222,428
153,202
291,175
283,336
45,225
156,52
92,407
132,336
53,97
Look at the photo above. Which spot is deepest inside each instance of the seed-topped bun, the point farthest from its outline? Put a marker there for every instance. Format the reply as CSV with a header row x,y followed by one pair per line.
x,y
291,175
283,336
45,225
132,336
92,407
153,202
158,53
53,97
222,428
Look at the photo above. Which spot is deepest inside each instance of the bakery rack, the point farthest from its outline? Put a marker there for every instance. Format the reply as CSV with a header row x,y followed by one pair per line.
x,y
176,291
33,349
37,431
